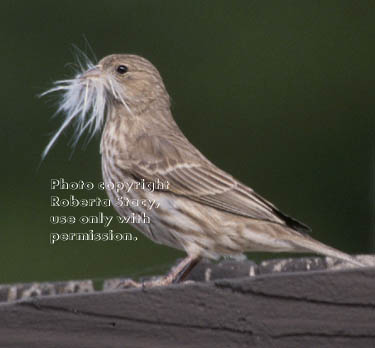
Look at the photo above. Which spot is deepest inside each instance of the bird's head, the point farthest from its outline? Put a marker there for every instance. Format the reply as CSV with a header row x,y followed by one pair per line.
x,y
129,83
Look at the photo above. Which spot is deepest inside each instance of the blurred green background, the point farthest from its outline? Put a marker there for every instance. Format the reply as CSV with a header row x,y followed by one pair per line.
x,y
278,93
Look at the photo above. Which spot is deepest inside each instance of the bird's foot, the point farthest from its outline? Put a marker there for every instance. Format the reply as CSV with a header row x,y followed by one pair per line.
x,y
128,284
131,284
176,275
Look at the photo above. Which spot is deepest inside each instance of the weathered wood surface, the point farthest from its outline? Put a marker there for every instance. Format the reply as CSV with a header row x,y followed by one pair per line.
x,y
294,308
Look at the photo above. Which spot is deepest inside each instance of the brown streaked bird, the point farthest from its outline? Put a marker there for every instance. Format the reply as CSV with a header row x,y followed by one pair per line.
x,y
205,211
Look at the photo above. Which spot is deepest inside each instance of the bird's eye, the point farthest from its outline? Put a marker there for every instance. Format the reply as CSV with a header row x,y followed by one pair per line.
x,y
122,69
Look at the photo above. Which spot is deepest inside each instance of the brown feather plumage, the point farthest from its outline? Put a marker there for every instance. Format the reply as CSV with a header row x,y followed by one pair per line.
x,y
204,211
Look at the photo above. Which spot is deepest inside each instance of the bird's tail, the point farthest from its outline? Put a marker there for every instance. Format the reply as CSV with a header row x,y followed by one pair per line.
x,y
308,244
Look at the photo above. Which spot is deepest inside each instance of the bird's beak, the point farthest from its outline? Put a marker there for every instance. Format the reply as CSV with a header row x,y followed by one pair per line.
x,y
92,73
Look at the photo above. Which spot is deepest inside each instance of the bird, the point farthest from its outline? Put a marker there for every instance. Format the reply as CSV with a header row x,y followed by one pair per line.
x,y
203,210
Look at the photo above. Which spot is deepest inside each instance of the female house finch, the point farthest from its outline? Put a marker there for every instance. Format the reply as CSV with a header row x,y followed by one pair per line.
x,y
204,211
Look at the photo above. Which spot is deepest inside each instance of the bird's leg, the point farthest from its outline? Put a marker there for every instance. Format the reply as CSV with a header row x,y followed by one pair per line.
x,y
182,270
178,273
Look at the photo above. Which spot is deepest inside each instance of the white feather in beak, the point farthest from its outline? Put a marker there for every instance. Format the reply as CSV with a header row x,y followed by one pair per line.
x,y
84,100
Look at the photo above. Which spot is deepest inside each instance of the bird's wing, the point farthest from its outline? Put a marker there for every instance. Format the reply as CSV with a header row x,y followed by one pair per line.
x,y
191,175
